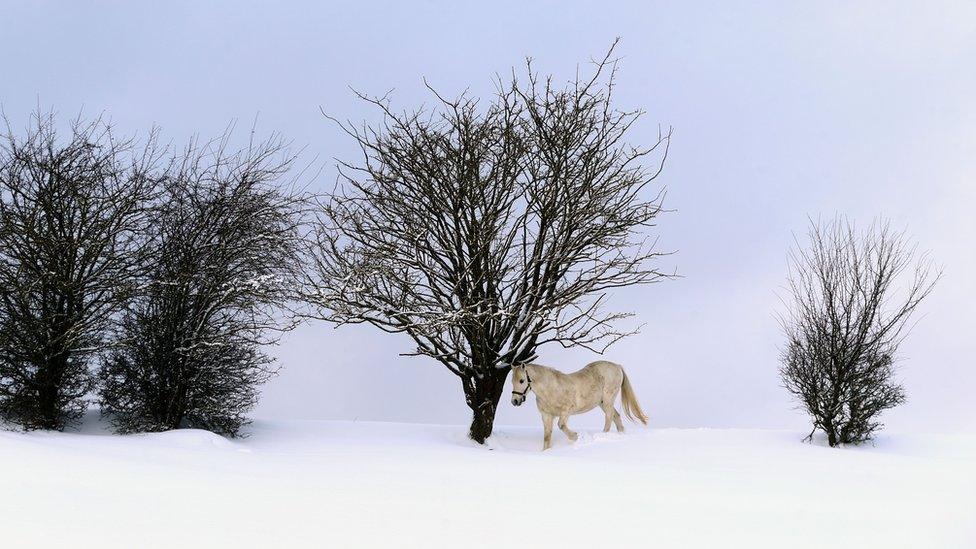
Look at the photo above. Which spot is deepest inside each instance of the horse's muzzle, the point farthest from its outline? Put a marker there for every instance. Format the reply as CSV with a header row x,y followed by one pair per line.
x,y
517,400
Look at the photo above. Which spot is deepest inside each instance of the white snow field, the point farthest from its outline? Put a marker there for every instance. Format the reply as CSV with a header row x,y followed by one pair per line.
x,y
354,484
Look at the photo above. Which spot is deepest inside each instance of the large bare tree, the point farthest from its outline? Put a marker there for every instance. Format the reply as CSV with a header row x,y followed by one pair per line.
x,y
852,295
73,214
484,230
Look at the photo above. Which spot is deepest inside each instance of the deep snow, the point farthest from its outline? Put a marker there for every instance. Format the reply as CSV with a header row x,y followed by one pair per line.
x,y
328,483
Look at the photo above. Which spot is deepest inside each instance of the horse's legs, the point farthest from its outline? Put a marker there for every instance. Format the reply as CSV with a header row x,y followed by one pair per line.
x,y
609,412
547,431
572,435
617,422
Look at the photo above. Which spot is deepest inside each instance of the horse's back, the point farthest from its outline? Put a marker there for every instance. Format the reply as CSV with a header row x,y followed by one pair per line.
x,y
604,367
611,372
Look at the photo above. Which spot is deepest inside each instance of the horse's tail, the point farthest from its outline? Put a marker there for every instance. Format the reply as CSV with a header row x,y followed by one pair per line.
x,y
629,401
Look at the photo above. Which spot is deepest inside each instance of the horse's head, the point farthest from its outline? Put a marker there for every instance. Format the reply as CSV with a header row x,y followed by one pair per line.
x,y
521,383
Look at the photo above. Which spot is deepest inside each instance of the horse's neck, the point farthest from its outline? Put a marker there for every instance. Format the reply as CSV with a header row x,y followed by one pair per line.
x,y
535,371
542,377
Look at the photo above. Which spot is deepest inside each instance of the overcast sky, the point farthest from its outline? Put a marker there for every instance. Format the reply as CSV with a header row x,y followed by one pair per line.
x,y
780,112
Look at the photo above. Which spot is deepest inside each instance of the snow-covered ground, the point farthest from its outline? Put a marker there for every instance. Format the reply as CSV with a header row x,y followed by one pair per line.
x,y
341,484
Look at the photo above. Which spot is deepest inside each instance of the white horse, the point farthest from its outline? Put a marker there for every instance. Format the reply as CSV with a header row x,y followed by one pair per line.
x,y
560,395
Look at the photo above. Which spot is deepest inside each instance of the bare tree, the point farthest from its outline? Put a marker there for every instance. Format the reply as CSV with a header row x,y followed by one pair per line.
x,y
483,233
72,217
225,255
845,321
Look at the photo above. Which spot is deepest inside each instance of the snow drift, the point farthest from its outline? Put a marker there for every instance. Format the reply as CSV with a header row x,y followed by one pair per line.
x,y
324,483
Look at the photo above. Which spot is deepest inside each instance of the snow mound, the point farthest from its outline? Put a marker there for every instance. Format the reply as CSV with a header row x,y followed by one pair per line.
x,y
186,439
324,483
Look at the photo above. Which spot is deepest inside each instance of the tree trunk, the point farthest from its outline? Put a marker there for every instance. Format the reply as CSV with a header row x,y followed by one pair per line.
x,y
482,393
48,413
831,435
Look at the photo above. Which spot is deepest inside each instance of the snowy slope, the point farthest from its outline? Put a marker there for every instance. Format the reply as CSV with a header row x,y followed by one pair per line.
x,y
320,484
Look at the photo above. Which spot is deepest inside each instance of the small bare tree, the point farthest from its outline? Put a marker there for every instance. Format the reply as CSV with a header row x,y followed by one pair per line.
x,y
226,247
485,232
73,214
845,321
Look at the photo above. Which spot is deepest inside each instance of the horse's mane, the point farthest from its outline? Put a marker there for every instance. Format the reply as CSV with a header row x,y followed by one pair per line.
x,y
548,369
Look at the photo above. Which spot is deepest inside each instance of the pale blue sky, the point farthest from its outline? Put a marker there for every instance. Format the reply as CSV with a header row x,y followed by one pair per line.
x,y
779,112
